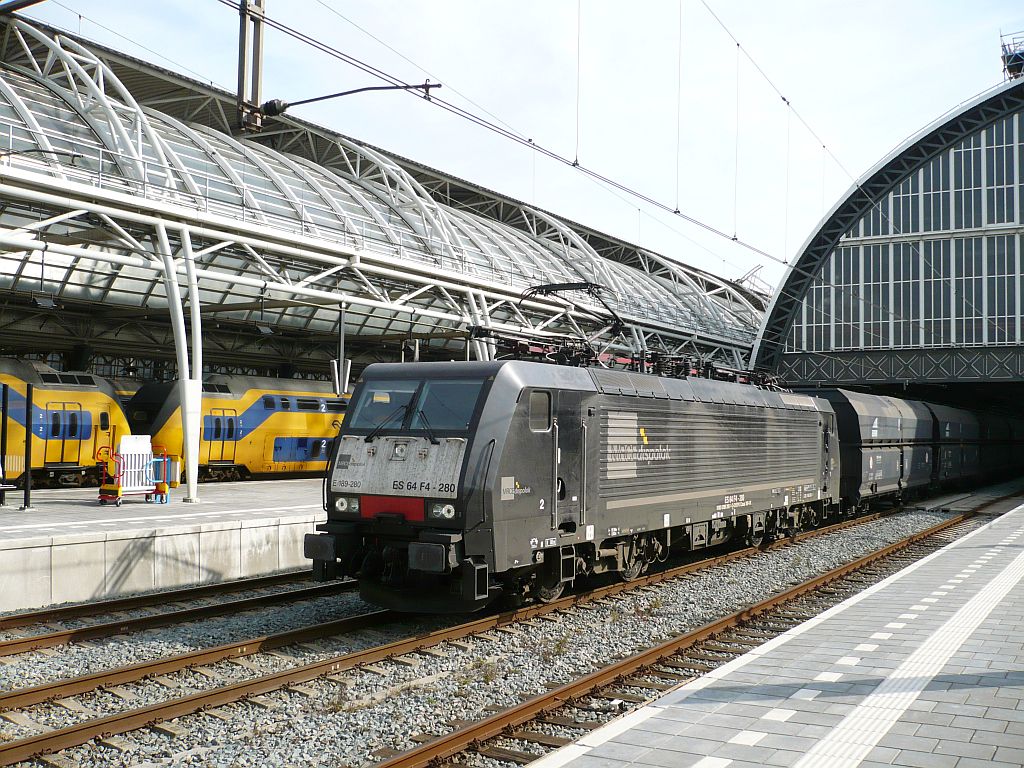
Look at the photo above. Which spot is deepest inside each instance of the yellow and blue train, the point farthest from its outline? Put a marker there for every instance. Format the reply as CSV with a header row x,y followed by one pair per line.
x,y
73,415
251,426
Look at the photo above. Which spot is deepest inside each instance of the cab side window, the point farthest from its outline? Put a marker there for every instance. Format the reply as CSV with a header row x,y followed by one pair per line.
x,y
540,411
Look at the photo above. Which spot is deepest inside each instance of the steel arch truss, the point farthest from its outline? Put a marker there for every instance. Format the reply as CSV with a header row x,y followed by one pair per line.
x,y
769,352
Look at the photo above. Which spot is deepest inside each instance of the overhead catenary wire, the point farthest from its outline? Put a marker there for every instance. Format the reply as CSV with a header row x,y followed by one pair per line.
x,y
521,139
679,103
511,134
828,153
507,133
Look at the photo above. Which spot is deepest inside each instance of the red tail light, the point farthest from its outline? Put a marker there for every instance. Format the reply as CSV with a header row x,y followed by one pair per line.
x,y
411,509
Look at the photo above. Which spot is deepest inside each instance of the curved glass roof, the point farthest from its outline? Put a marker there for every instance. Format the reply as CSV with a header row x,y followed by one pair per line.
x,y
74,122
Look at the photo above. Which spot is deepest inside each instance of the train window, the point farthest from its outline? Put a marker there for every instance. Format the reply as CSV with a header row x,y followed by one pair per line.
x,y
216,428
86,380
383,402
540,411
50,378
446,405
72,424
307,404
286,404
336,406
54,423
104,421
268,402
231,428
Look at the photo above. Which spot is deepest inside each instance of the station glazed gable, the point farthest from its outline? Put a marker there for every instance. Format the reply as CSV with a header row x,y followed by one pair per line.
x,y
916,274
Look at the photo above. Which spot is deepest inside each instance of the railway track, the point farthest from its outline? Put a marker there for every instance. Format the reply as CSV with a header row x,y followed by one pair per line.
x,y
63,738
82,610
55,638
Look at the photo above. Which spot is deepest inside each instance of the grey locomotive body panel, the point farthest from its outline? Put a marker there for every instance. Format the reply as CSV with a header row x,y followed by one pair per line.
x,y
670,463
655,453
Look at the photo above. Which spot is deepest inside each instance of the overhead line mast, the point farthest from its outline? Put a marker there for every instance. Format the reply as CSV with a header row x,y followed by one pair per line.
x,y
251,15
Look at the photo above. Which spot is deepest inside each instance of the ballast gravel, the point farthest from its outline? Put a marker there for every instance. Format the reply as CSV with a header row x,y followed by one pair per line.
x,y
359,717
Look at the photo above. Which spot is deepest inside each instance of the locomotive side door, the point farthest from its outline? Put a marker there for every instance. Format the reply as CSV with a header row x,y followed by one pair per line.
x,y
570,460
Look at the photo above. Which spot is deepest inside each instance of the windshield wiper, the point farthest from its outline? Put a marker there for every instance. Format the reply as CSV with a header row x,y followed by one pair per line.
x,y
377,430
426,423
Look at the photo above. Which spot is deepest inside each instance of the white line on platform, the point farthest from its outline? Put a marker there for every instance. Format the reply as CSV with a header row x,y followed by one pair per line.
x,y
79,524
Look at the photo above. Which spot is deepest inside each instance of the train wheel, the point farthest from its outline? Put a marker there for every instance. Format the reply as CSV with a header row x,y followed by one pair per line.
x,y
809,518
634,569
632,573
755,539
548,593
636,558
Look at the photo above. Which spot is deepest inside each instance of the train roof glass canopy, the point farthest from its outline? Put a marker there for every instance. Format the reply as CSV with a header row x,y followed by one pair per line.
x,y
105,195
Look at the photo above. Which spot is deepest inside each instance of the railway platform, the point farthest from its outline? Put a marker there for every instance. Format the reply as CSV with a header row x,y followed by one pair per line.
x,y
68,548
925,668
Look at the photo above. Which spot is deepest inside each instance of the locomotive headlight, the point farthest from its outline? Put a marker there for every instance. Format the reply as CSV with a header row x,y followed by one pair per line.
x,y
347,504
442,511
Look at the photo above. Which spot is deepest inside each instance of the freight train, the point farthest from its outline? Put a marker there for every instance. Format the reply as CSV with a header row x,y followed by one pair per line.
x,y
454,484
251,426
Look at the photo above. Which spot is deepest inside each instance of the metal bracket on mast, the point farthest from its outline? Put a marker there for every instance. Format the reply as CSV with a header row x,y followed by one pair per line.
x,y
250,64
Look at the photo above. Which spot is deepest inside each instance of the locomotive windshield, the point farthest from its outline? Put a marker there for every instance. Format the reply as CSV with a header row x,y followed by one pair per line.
x,y
429,405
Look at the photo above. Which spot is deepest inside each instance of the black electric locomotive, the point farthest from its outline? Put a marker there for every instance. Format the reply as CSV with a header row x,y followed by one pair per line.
x,y
454,483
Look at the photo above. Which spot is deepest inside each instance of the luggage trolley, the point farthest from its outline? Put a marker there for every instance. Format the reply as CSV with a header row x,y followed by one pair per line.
x,y
136,469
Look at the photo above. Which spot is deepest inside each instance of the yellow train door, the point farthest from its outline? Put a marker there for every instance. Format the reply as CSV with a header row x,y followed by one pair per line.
x,y
64,431
222,435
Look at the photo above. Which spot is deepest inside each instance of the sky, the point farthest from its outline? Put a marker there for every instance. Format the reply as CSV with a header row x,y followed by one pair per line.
x,y
654,94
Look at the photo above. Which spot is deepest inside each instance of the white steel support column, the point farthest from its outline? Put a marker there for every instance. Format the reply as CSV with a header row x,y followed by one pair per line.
x,y
192,398
190,390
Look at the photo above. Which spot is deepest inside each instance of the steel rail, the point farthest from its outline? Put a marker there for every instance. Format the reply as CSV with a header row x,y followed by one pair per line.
x,y
458,741
45,615
60,689
80,733
106,629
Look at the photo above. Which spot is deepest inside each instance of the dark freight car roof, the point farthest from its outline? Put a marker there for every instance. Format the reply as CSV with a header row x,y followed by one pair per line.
x,y
878,418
